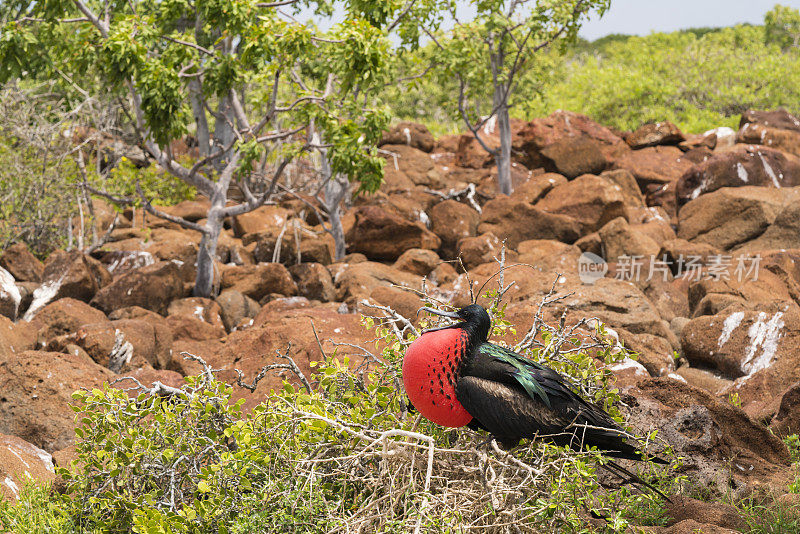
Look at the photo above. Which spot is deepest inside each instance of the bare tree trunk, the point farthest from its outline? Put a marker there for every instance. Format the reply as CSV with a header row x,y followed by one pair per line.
x,y
199,113
504,156
335,191
204,281
223,130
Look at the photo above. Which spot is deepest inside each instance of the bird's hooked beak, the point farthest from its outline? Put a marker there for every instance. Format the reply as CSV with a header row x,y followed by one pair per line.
x,y
441,313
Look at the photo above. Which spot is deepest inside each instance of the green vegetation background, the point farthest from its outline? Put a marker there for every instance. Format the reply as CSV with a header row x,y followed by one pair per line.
x,y
699,79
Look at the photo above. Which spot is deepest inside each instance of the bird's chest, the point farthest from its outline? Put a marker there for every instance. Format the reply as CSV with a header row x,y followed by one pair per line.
x,y
430,374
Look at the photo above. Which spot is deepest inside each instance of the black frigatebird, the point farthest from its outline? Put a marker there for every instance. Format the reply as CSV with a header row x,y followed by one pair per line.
x,y
454,377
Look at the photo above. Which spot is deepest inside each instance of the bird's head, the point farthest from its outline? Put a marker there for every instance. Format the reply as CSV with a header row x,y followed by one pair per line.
x,y
472,318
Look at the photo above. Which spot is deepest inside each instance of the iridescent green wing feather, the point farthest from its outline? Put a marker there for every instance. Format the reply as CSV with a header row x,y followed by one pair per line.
x,y
524,371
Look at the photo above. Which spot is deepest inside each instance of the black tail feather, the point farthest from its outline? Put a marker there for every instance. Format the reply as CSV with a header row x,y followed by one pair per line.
x,y
620,471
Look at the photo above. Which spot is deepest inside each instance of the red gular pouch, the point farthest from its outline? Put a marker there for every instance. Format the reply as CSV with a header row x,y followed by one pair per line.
x,y
430,373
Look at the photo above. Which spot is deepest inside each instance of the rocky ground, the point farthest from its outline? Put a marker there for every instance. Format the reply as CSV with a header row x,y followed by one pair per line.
x,y
701,235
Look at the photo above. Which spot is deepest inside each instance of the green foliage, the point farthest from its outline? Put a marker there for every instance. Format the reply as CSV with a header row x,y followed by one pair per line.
x,y
344,453
768,518
36,511
495,59
782,26
164,189
164,56
37,196
159,464
699,79
697,82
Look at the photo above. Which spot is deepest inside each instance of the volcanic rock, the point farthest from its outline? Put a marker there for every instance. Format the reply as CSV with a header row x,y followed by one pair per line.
x,y
518,221
411,134
22,463
152,287
314,281
655,133
257,281
22,265
383,236
37,390
742,165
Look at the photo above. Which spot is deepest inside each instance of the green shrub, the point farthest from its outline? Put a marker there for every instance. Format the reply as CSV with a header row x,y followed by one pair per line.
x,y
37,511
342,454
699,79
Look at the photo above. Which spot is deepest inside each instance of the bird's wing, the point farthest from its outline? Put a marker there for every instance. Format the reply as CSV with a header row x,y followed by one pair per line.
x,y
508,413
513,398
541,383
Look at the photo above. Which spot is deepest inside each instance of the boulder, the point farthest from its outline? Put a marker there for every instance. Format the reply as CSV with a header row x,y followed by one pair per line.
x,y
23,266
453,221
257,281
37,392
487,184
199,308
662,196
298,243
10,296
314,281
64,317
381,235
720,514
235,306
411,134
740,343
678,252
559,130
727,285
784,140
690,526
191,210
782,234
574,156
474,251
119,262
537,186
152,287
621,239
417,261
518,221
742,165
151,342
260,219
732,216
69,275
724,450
547,255
405,303
655,133
787,420
15,337
288,331
361,279
168,244
591,200
779,118
188,327
703,379
655,353
414,165
22,463
627,186
654,165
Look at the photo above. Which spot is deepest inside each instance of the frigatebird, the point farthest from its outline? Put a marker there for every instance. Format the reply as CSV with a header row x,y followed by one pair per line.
x,y
454,377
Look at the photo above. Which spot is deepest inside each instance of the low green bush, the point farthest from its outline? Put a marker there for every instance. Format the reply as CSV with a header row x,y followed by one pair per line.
x,y
341,452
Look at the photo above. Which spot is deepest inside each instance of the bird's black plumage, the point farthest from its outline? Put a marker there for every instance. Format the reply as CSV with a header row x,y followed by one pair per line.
x,y
513,397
